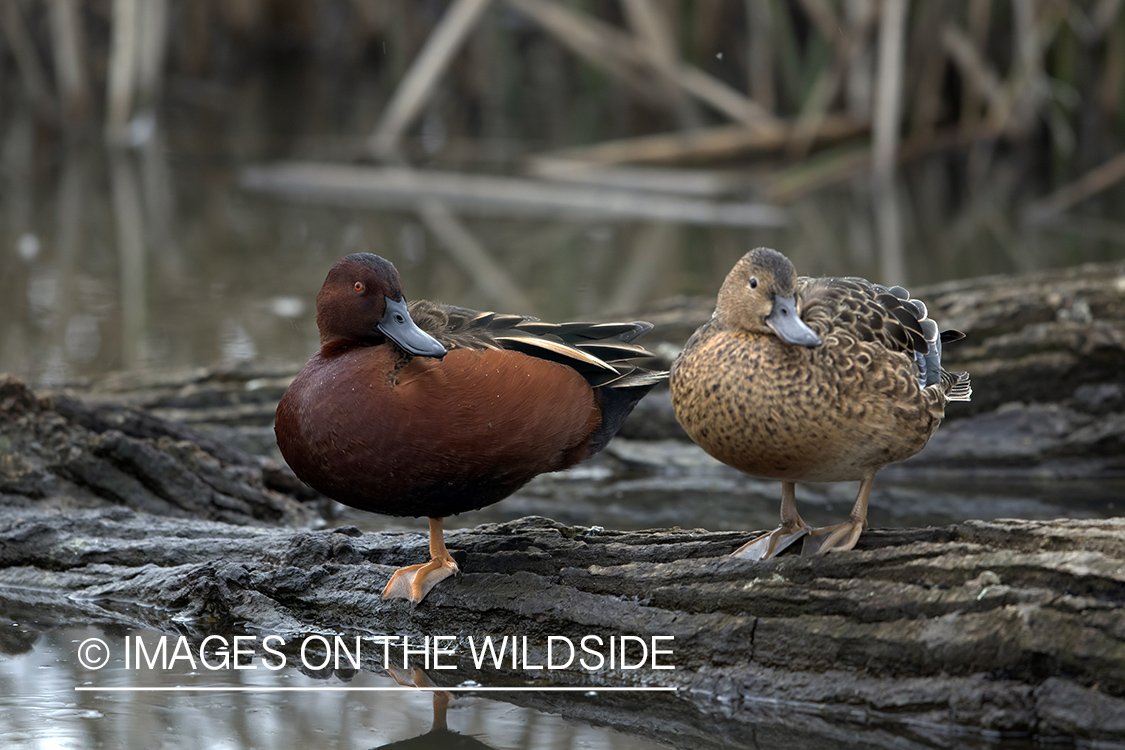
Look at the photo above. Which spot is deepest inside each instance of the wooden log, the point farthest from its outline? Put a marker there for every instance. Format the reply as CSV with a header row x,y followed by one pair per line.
x,y
1009,626
392,186
673,180
707,144
63,454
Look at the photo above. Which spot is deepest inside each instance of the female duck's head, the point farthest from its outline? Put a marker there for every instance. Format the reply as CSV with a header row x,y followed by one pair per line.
x,y
760,295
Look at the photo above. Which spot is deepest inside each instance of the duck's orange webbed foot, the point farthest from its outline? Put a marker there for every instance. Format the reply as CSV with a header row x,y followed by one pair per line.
x,y
838,538
842,536
774,543
415,581
791,530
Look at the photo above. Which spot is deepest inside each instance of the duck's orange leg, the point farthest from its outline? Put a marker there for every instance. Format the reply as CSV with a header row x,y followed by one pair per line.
x,y
842,536
415,581
791,529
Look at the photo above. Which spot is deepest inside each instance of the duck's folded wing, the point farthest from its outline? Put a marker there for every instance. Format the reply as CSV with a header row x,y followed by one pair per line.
x,y
886,316
600,352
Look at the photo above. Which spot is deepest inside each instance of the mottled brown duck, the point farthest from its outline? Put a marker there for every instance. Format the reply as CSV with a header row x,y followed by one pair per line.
x,y
812,380
429,410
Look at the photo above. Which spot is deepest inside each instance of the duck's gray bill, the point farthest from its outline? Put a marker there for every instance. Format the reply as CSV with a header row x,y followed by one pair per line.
x,y
788,325
398,326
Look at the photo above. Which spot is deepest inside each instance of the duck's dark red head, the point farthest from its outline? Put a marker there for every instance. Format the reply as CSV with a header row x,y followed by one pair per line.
x,y
361,303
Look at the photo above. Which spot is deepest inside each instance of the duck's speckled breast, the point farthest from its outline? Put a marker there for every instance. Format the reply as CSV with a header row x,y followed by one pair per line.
x,y
796,414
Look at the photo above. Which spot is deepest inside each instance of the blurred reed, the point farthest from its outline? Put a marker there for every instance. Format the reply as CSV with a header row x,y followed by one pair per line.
x,y
970,74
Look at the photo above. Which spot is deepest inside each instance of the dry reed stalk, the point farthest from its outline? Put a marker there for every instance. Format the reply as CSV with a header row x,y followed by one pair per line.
x,y
823,17
424,74
122,70
31,69
1093,182
759,55
888,108
860,88
656,37
720,142
69,47
604,45
972,66
599,44
888,96
469,253
1113,72
928,69
153,32
828,84
980,12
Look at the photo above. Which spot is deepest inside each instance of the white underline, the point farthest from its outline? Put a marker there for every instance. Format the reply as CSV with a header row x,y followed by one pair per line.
x,y
250,689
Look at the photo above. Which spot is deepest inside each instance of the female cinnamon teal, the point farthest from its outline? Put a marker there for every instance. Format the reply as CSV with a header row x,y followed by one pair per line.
x,y
430,410
812,380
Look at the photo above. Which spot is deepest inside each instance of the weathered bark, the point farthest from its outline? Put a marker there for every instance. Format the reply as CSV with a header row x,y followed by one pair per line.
x,y
1012,626
60,453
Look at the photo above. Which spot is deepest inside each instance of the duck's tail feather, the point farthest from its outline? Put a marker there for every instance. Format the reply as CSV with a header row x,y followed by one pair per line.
x,y
960,387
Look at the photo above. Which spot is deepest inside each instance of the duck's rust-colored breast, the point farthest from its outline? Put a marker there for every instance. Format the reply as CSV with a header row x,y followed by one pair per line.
x,y
424,437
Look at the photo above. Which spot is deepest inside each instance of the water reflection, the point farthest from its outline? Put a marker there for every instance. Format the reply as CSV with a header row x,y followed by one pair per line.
x,y
152,258
39,707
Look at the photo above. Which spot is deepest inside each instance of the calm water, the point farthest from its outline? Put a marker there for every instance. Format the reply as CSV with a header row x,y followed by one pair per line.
x,y
39,707
156,258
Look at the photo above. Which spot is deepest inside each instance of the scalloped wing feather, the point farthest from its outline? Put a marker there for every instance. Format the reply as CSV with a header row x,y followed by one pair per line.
x,y
890,317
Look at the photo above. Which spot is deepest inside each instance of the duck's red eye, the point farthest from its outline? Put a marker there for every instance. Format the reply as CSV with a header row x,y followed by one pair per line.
x,y
358,286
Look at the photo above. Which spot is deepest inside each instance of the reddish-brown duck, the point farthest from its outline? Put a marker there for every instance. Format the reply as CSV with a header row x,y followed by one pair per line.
x,y
431,410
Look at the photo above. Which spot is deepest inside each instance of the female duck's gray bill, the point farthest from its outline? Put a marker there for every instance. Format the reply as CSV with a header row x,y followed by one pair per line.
x,y
398,326
788,326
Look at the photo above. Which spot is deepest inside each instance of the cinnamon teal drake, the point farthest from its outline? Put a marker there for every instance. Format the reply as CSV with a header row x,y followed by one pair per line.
x,y
812,380
430,410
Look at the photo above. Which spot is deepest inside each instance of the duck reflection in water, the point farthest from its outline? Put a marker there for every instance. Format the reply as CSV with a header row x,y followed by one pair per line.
x,y
430,410
440,735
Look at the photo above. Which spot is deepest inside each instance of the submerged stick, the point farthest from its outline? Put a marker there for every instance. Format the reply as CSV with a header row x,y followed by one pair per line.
x,y
340,184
